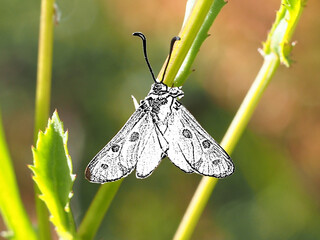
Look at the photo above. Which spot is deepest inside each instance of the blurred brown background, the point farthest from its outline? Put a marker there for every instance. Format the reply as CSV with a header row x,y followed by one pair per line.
x,y
97,65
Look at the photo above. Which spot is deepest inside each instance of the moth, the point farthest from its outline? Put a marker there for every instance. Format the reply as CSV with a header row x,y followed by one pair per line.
x,y
160,127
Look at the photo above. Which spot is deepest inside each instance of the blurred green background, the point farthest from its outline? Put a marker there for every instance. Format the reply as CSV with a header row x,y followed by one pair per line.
x,y
97,65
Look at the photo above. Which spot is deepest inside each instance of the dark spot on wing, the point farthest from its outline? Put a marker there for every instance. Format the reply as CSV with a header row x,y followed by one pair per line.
x,y
115,148
186,133
206,143
104,166
198,164
134,137
123,169
216,162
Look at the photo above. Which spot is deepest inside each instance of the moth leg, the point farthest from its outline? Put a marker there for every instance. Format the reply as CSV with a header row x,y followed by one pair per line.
x,y
135,102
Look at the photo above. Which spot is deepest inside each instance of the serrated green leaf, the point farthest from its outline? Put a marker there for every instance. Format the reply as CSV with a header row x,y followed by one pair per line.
x,y
53,174
280,34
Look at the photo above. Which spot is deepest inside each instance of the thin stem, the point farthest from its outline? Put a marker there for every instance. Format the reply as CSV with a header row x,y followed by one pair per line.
x,y
276,49
43,91
98,208
43,98
234,132
244,114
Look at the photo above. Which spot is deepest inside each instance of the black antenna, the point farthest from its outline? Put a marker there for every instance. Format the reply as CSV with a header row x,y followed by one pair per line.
x,y
144,41
173,40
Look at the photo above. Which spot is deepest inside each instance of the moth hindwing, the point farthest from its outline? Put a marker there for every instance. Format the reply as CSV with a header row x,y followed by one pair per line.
x,y
161,126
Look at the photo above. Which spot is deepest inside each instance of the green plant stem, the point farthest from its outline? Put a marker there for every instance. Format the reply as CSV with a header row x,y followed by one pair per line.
x,y
98,208
43,98
234,132
202,35
188,34
43,90
11,207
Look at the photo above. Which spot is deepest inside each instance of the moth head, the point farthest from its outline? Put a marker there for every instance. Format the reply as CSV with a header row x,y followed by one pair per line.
x,y
159,88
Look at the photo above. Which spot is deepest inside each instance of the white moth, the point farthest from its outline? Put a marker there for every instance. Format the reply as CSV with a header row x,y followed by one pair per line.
x,y
160,127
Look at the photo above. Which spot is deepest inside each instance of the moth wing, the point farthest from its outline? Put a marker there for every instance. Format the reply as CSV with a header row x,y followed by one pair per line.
x,y
188,140
153,146
119,157
175,152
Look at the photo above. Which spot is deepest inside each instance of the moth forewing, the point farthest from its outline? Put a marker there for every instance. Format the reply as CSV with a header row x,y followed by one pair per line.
x,y
205,155
118,158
